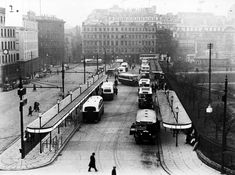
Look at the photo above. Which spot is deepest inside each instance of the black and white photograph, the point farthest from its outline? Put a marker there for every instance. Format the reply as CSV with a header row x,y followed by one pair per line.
x,y
117,87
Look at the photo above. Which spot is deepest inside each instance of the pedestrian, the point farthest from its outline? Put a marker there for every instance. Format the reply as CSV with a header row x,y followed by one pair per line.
x,y
116,90
92,162
30,111
115,82
35,106
114,171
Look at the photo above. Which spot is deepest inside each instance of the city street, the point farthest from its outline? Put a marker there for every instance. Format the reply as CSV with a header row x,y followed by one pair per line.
x,y
113,145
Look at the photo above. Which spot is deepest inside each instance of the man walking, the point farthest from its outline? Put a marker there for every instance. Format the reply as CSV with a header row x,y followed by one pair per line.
x,y
114,171
92,162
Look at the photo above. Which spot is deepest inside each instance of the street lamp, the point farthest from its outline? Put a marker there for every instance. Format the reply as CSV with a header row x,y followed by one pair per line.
x,y
209,108
177,115
40,124
71,95
58,103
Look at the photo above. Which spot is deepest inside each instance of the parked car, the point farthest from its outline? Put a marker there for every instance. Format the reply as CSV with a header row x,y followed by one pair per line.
x,y
7,87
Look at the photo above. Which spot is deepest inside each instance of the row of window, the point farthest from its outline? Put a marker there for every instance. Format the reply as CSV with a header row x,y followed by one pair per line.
x,y
117,36
119,50
200,29
112,29
116,43
7,32
10,45
10,58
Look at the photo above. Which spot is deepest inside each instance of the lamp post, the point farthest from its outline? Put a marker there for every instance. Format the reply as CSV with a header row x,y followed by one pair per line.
x,y
58,103
177,115
84,65
209,108
71,95
40,125
224,122
21,92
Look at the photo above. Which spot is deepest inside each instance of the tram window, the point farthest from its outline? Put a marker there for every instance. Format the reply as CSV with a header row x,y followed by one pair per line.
x,y
90,109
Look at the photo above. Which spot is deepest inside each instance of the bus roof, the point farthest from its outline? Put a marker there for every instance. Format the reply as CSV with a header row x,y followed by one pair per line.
x,y
145,90
146,115
128,75
107,84
144,80
93,101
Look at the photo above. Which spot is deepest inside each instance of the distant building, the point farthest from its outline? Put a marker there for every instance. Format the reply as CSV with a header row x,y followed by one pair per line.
x,y
27,37
196,30
50,40
73,45
9,52
120,33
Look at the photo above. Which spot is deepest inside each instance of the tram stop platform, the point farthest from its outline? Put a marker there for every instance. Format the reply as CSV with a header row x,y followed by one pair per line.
x,y
46,151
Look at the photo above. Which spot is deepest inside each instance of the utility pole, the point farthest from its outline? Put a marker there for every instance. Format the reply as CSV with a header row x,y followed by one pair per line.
x,y
97,61
63,79
21,92
105,61
224,99
84,64
209,108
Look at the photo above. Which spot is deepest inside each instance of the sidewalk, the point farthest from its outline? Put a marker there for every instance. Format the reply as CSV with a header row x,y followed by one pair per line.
x,y
10,159
181,160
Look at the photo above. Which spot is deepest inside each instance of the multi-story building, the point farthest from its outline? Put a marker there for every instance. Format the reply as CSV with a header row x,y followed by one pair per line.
x,y
73,45
9,51
27,38
197,30
50,40
126,33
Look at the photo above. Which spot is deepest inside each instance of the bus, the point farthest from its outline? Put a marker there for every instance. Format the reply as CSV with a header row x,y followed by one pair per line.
x,y
149,56
125,64
146,126
144,68
93,109
144,82
122,69
128,79
107,90
145,97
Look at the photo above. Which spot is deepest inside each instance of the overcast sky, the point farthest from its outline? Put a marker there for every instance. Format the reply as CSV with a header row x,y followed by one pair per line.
x,y
73,12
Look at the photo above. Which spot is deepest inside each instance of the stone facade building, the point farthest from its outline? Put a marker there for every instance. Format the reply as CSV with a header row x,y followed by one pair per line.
x,y
50,40
9,51
120,33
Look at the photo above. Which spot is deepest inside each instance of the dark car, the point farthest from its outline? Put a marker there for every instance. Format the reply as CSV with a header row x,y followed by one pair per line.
x,y
7,87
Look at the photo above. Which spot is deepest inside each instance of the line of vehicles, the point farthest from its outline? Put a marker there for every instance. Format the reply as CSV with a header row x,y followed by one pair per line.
x,y
147,124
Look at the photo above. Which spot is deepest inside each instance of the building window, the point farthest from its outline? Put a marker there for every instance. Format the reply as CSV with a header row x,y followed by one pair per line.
x,y
2,45
5,32
13,33
1,32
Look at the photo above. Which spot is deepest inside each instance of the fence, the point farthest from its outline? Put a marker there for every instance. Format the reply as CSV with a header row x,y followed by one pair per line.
x,y
213,150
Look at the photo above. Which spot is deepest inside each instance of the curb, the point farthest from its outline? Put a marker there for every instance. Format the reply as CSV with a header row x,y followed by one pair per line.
x,y
213,164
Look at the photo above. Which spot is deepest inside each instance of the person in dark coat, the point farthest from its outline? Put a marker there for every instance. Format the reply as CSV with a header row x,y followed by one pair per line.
x,y
92,162
114,171
30,111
